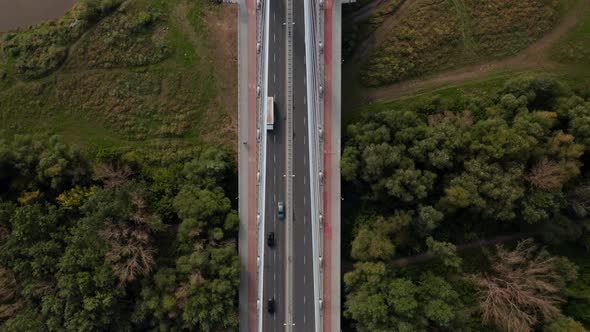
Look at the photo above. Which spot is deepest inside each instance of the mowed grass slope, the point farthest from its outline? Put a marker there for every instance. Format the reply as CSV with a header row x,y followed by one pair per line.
x,y
575,48
567,59
434,35
153,75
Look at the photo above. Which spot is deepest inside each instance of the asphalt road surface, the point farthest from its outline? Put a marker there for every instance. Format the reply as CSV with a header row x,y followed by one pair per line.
x,y
303,305
274,265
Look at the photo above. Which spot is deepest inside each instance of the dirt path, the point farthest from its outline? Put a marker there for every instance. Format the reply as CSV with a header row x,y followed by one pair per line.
x,y
534,57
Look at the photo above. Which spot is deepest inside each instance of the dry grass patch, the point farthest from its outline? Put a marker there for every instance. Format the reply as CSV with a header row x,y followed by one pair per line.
x,y
434,35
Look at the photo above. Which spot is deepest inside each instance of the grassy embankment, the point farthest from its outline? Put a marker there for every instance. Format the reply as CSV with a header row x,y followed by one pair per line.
x,y
561,53
434,35
567,59
148,75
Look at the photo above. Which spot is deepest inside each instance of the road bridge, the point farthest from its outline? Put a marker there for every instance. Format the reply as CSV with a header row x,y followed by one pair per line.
x,y
291,51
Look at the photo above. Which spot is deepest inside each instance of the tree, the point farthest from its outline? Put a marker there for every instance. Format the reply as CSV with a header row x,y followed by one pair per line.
x,y
9,304
522,288
28,165
132,252
197,290
378,301
35,245
88,297
488,188
460,168
371,243
113,176
565,324
446,251
546,175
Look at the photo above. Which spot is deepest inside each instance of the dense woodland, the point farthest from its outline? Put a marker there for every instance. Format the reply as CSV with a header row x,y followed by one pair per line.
x,y
438,181
110,243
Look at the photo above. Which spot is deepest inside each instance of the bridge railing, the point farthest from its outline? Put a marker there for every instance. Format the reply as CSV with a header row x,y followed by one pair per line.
x,y
262,27
315,170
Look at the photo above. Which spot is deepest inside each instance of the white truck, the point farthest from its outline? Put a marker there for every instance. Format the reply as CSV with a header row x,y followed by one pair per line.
x,y
270,116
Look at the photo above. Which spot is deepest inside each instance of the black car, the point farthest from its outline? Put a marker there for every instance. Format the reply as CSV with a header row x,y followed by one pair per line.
x,y
270,240
281,211
271,306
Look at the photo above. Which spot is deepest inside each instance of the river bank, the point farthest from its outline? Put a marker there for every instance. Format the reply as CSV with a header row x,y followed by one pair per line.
x,y
23,13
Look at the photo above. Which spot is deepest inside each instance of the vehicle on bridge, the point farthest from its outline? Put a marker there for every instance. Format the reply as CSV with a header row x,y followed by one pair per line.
x,y
270,116
271,306
270,240
281,211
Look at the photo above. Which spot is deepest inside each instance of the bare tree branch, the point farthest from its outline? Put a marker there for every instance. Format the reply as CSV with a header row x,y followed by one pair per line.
x,y
547,174
522,288
113,176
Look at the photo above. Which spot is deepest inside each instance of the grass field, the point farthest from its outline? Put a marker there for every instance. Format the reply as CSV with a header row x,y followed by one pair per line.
x,y
434,35
561,53
575,49
149,75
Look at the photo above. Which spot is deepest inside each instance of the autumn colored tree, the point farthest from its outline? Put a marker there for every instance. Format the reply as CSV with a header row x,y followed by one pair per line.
x,y
522,289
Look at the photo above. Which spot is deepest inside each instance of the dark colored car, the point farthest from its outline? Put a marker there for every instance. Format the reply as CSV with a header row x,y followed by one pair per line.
x,y
271,306
281,211
270,240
